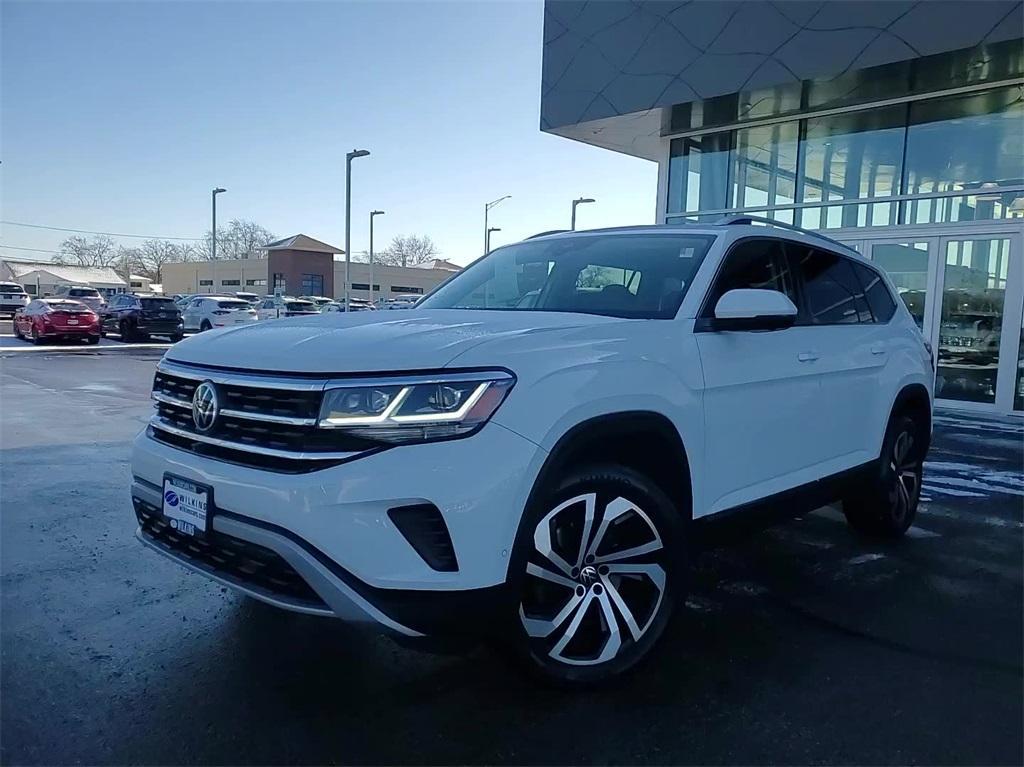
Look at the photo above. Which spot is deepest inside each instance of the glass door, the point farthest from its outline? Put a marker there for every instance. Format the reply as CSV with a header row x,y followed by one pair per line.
x,y
979,319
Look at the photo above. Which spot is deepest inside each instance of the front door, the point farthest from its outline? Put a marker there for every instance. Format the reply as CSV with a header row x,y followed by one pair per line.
x,y
761,390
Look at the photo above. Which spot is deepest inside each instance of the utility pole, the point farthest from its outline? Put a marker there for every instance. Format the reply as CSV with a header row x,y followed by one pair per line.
x,y
487,209
213,249
372,214
348,215
576,202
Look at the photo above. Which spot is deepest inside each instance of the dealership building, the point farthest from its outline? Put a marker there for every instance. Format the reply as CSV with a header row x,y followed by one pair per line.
x,y
894,127
302,266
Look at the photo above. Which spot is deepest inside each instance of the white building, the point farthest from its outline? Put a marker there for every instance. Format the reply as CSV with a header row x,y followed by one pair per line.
x,y
42,278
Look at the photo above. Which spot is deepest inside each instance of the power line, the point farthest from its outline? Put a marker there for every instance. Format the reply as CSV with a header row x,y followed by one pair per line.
x,y
37,250
105,234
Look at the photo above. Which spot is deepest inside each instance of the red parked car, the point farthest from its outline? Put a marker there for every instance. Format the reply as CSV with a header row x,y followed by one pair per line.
x,y
52,318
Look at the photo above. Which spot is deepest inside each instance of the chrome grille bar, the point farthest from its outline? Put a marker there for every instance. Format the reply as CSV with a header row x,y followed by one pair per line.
x,y
160,425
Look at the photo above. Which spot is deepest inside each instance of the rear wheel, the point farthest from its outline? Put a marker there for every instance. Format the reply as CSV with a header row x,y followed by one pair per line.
x,y
205,325
177,337
886,506
598,575
126,331
93,340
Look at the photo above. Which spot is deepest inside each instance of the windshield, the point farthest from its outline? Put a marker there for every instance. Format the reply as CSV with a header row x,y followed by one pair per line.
x,y
642,276
159,304
83,293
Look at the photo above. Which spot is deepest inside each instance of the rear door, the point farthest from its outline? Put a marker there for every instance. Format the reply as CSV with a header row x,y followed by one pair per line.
x,y
851,351
762,388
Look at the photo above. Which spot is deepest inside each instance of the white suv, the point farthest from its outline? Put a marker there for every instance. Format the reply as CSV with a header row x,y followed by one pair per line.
x,y
536,471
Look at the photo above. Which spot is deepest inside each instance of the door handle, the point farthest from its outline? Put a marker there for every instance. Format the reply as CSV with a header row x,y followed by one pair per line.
x,y
807,356
878,349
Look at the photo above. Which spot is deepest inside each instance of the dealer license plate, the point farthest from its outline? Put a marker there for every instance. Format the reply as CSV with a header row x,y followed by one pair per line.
x,y
187,505
72,322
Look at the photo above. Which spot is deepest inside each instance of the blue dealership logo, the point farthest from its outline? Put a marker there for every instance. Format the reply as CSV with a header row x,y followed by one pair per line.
x,y
171,498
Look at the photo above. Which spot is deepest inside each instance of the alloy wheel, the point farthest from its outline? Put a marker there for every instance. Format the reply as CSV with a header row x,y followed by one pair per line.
x,y
906,477
595,580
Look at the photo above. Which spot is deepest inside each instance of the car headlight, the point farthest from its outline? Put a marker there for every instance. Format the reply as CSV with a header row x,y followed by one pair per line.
x,y
414,409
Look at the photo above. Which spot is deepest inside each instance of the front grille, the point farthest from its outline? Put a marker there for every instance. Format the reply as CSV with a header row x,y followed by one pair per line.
x,y
247,564
267,423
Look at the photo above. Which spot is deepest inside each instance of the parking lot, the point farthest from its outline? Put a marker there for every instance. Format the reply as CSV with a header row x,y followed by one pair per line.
x,y
803,644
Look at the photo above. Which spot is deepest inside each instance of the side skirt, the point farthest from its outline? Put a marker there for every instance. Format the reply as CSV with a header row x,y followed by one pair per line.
x,y
729,525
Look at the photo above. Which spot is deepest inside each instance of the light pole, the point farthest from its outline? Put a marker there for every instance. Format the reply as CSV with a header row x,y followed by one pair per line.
x,y
372,214
348,214
213,249
487,208
580,201
487,242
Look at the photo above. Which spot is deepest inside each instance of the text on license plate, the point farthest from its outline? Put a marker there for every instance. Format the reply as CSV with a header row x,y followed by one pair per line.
x,y
185,505
72,322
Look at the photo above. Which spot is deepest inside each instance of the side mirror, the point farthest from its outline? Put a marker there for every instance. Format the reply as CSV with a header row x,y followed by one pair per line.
x,y
751,309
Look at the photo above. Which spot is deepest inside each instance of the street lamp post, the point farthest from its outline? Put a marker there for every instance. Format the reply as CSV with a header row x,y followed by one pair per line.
x,y
487,242
372,214
213,248
580,201
487,208
348,214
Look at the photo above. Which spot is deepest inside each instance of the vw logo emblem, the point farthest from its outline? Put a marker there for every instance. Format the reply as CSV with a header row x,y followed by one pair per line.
x,y
205,406
588,575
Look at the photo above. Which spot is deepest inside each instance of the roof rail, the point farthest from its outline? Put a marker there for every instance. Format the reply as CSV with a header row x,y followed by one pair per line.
x,y
550,231
741,219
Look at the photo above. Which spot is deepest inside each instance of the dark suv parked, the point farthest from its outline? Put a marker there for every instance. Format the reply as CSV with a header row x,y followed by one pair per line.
x,y
138,317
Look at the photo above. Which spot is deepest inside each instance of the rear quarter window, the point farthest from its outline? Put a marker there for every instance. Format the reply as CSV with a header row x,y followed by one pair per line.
x,y
882,304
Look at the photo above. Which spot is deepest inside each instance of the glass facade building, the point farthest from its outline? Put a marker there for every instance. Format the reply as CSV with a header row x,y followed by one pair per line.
x,y
896,128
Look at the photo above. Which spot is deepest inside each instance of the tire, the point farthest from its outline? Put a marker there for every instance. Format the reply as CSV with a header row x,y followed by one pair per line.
x,y
555,576
886,506
93,340
17,333
176,337
204,326
126,331
36,338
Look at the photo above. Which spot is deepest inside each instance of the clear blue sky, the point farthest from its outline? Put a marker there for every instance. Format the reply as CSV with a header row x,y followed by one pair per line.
x,y
122,116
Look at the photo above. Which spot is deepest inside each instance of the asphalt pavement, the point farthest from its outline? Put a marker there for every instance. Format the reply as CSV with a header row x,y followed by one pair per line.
x,y
803,644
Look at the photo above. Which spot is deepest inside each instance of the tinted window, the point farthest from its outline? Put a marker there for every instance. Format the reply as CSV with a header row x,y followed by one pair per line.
x,y
159,304
83,293
753,264
879,298
300,306
642,276
233,305
832,292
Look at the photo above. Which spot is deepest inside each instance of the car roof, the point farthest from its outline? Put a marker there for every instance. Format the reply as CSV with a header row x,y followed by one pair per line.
x,y
736,226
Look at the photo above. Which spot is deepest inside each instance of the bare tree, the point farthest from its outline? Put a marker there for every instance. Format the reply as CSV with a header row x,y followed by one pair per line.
x,y
95,251
408,250
155,253
238,239
127,261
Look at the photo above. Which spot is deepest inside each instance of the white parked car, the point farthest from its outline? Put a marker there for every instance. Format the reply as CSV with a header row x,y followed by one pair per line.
x,y
539,471
405,301
251,298
83,294
12,298
355,305
209,312
319,301
273,307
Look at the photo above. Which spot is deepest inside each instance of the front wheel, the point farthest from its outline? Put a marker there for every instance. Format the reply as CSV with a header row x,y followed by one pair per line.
x,y
598,575
177,337
887,504
126,331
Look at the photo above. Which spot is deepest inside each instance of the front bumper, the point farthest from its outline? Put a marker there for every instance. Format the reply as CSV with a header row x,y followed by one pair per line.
x,y
333,528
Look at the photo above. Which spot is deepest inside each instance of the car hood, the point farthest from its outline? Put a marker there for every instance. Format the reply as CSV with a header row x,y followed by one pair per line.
x,y
365,342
